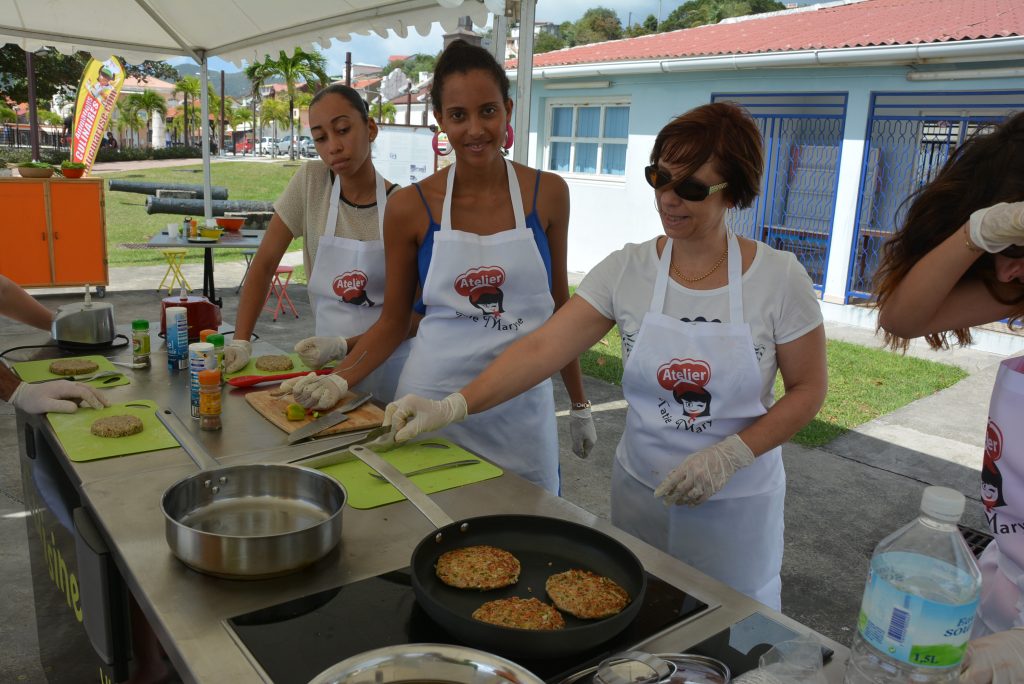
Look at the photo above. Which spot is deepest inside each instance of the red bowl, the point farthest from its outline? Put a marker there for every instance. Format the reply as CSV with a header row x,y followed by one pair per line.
x,y
230,222
72,173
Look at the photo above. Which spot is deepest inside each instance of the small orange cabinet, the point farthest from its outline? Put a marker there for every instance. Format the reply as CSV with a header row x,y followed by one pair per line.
x,y
61,236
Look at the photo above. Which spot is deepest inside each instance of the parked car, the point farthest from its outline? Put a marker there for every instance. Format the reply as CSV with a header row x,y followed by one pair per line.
x,y
243,146
266,145
306,146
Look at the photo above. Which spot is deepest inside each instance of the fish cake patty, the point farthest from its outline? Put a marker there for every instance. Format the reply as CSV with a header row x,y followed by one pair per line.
x,y
274,362
520,613
586,595
117,426
478,567
73,367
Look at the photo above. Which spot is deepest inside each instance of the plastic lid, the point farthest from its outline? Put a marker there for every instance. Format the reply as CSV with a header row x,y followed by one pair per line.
x,y
209,377
203,334
140,325
216,339
942,503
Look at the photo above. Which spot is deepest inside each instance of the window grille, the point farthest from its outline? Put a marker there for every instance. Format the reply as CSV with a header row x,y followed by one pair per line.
x,y
587,137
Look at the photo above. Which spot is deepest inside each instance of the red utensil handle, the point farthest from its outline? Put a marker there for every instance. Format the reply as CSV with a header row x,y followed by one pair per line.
x,y
250,380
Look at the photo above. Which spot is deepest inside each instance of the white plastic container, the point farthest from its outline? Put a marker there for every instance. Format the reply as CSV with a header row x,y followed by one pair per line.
x,y
177,337
200,357
919,603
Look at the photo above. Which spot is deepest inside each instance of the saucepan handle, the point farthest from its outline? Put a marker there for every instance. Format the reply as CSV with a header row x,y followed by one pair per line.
x,y
193,448
416,496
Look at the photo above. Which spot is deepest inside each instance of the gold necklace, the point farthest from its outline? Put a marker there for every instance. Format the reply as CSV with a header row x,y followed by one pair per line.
x,y
714,268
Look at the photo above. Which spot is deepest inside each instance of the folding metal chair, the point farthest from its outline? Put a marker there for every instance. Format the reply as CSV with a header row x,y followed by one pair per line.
x,y
279,288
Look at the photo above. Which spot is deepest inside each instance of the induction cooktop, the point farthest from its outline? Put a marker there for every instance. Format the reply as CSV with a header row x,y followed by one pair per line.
x,y
296,640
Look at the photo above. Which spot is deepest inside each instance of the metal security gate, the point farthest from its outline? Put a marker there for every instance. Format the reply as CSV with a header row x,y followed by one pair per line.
x,y
802,134
910,137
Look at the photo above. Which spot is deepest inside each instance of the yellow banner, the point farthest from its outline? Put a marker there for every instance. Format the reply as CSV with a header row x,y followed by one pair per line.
x,y
97,95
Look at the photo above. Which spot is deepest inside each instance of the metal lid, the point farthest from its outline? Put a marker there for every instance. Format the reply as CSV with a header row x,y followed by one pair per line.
x,y
685,668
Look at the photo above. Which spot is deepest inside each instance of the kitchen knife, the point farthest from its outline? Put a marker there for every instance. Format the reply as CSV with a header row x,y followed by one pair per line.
x,y
336,416
250,380
339,452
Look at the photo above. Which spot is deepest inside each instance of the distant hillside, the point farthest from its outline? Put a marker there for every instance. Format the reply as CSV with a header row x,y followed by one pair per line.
x,y
236,85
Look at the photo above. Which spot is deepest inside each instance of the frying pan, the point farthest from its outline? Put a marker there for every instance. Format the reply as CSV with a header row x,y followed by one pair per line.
x,y
543,545
248,521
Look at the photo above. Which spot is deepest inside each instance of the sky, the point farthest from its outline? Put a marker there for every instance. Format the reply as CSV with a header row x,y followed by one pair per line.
x,y
376,50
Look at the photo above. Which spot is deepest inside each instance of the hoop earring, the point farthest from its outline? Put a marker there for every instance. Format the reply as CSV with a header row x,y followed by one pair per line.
x,y
437,147
510,137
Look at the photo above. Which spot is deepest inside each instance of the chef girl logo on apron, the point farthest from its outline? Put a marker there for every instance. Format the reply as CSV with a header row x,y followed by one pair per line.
x,y
351,288
482,286
991,478
686,379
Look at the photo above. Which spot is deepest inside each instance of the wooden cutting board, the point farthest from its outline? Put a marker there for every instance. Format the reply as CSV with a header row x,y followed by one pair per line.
x,y
272,408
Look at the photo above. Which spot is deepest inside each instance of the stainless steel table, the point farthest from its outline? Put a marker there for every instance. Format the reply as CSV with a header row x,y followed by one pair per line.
x,y
228,240
189,610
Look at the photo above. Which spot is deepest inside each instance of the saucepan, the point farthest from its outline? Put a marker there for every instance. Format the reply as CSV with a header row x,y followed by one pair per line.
x,y
543,545
249,521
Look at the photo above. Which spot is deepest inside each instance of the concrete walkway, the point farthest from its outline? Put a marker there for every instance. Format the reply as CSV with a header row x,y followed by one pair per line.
x,y
842,498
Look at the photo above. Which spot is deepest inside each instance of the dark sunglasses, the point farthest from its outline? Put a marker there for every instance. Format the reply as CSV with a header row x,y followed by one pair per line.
x,y
689,189
1013,252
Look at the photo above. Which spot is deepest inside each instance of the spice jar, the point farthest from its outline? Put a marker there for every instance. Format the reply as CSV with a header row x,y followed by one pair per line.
x,y
209,400
140,343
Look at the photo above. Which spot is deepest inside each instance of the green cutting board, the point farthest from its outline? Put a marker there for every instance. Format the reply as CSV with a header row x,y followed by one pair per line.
x,y
81,445
35,371
251,369
365,491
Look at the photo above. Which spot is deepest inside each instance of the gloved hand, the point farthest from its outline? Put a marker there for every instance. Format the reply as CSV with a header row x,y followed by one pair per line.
x,y
59,396
705,472
411,415
582,431
997,227
236,355
996,658
319,392
317,351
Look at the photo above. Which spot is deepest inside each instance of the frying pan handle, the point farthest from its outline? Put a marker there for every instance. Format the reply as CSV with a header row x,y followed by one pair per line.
x,y
416,496
250,380
194,449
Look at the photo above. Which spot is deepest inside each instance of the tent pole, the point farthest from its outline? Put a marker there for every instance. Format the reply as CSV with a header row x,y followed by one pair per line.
x,y
524,82
204,116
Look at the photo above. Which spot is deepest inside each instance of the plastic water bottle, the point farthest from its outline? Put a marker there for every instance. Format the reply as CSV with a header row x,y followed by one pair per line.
x,y
922,590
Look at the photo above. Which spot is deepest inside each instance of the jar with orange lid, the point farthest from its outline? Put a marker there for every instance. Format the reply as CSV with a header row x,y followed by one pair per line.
x,y
209,399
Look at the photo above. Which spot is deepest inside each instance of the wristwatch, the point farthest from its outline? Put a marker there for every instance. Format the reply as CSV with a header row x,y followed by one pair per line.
x,y
579,405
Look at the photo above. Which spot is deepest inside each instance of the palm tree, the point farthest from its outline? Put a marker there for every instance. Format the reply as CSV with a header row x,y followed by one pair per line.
x,y
275,112
127,119
189,87
306,66
148,102
383,112
237,117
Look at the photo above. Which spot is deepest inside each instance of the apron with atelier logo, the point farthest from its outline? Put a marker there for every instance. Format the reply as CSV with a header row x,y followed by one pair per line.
x,y
483,292
688,386
346,289
1002,493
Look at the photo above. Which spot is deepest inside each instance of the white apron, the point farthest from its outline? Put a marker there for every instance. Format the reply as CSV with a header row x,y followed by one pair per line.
x,y
688,386
346,290
1002,493
483,292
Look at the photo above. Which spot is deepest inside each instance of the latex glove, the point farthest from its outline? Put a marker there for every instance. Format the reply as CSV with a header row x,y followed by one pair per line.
x,y
411,415
319,392
997,227
59,396
996,658
582,431
705,472
236,355
317,351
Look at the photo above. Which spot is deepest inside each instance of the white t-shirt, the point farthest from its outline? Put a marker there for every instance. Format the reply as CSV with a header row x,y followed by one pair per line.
x,y
779,301
304,204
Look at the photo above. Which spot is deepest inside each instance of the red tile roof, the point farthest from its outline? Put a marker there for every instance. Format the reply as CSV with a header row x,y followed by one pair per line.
x,y
857,24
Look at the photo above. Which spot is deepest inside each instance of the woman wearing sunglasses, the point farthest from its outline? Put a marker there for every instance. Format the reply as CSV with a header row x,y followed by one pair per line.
x,y
706,318
958,261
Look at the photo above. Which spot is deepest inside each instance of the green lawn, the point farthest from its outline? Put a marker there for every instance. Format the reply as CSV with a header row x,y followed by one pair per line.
x,y
864,383
129,224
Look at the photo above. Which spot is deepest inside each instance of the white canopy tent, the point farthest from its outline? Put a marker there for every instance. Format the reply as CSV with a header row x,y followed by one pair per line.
x,y
241,31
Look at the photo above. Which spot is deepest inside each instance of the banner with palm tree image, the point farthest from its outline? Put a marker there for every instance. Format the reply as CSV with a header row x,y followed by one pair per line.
x,y
97,95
